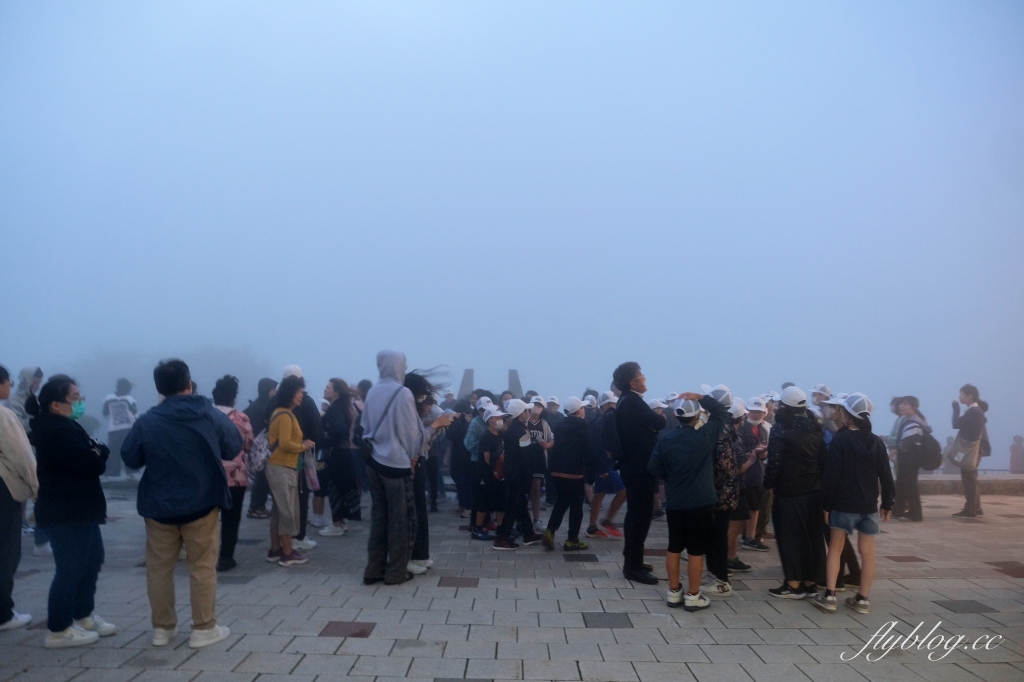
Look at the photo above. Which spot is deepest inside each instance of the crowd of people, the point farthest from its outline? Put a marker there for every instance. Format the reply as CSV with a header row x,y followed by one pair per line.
x,y
717,469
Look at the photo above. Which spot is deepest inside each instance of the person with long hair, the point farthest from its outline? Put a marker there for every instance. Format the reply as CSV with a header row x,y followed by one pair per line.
x,y
287,447
856,468
425,395
225,393
970,446
71,506
342,479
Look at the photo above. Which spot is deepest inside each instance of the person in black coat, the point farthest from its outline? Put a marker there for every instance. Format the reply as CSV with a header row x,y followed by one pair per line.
x,y
259,491
638,427
71,506
342,482
572,465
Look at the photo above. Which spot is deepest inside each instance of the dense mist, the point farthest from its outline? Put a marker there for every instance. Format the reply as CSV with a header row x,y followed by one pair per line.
x,y
729,193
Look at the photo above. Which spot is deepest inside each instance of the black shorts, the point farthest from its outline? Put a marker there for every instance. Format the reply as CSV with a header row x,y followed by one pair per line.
x,y
321,477
742,511
690,529
754,496
492,495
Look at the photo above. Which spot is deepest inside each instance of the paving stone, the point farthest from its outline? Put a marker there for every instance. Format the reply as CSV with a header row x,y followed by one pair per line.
x,y
607,620
598,671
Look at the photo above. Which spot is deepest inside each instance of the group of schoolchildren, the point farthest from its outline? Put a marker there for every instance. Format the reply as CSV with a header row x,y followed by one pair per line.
x,y
722,468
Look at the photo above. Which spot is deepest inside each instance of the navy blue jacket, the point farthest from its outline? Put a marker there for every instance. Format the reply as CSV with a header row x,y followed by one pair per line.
x,y
683,458
181,442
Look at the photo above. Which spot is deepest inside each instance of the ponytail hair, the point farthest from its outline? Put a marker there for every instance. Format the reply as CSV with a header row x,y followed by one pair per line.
x,y
983,406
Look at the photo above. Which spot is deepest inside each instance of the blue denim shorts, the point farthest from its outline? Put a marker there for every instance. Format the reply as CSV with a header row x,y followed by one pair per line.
x,y
862,523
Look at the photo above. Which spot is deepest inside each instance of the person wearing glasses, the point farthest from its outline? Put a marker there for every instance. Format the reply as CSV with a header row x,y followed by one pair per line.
x,y
71,506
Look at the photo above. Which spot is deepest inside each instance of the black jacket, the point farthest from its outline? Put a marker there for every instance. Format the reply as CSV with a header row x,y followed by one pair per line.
x,y
573,451
456,434
337,426
796,455
517,456
639,426
856,463
69,464
258,415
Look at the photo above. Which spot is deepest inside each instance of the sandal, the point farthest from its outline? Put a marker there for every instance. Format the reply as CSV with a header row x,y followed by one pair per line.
x,y
258,514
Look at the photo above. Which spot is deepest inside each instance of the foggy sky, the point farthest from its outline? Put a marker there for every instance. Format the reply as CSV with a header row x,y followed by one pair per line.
x,y
737,193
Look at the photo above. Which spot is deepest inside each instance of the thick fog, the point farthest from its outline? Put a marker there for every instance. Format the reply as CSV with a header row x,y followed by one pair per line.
x,y
724,192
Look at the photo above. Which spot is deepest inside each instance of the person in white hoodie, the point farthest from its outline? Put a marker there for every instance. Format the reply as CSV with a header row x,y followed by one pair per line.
x,y
392,426
18,483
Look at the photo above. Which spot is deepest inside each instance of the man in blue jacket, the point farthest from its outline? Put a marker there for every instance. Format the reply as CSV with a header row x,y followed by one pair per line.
x,y
683,458
182,442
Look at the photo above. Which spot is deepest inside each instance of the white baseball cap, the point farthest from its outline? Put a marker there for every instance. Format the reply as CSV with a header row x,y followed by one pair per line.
x,y
671,398
590,400
859,405
822,389
721,393
553,399
537,400
292,371
515,407
756,404
483,402
838,399
493,411
607,397
654,404
738,409
793,397
573,404
686,408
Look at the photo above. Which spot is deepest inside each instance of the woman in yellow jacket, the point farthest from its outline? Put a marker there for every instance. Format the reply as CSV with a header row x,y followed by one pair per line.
x,y
283,468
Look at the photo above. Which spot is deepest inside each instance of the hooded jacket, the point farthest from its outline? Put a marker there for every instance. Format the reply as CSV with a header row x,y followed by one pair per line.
x,y
17,464
573,451
856,465
69,468
398,435
182,442
16,402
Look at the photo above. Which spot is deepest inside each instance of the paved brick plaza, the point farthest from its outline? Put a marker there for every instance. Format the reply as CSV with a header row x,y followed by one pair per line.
x,y
535,615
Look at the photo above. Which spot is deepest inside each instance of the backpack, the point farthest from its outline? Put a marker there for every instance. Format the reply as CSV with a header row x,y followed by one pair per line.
x,y
256,458
929,452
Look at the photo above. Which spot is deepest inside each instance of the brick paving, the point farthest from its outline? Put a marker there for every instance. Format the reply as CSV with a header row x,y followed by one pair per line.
x,y
534,615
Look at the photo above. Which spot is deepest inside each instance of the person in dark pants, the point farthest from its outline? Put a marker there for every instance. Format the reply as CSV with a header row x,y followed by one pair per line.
x,y
572,465
907,506
424,393
339,422
796,459
461,465
18,482
225,392
257,414
71,507
638,427
518,479
970,446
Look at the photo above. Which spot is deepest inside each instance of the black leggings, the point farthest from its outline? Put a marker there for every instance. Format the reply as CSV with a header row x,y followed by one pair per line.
x,y
569,496
718,552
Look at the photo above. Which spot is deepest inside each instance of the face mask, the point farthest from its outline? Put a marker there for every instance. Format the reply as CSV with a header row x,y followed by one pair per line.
x,y
77,410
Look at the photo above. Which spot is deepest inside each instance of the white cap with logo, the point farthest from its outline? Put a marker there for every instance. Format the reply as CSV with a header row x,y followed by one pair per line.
x,y
515,407
492,412
573,404
607,397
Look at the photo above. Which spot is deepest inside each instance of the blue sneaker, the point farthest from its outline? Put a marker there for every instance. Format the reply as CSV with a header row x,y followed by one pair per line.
x,y
481,534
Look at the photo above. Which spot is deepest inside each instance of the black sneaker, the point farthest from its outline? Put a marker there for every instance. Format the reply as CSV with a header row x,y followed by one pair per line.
x,y
786,592
647,567
504,545
738,566
964,515
979,513
754,545
658,514
849,581
532,540
225,564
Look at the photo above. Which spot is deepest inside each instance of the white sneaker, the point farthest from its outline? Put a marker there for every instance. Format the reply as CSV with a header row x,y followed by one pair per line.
x,y
201,638
332,530
73,636
675,597
539,526
695,602
97,625
317,521
718,588
303,545
425,563
415,568
42,550
163,637
18,620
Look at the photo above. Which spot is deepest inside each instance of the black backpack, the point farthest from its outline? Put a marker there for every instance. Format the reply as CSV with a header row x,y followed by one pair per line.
x,y
929,452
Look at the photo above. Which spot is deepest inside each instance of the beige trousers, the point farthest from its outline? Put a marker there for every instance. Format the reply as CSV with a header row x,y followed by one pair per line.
x,y
202,546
